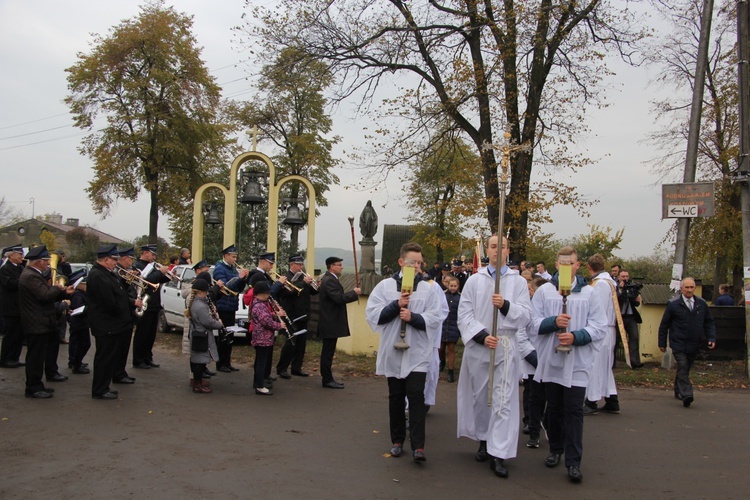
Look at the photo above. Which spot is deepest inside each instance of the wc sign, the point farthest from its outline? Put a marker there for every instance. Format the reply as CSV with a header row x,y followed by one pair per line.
x,y
689,199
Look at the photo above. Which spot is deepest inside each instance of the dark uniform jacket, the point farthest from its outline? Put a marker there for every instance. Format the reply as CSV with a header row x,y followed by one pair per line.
x,y
686,328
622,298
225,273
296,304
108,306
333,322
37,303
9,276
154,294
132,293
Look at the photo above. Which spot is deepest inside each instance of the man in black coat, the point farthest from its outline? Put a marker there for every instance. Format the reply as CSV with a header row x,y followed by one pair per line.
x,y
686,320
145,331
333,322
109,317
10,272
629,299
36,299
124,265
296,304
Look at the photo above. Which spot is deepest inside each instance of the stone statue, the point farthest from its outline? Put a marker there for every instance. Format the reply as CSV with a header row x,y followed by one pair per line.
x,y
368,222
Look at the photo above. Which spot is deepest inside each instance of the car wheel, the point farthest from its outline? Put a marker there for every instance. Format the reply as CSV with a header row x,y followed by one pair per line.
x,y
163,325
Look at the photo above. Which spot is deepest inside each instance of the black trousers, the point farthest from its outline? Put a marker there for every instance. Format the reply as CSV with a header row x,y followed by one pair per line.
x,y
399,390
293,354
631,327
145,336
537,402
682,385
80,343
121,358
12,339
104,363
565,421
225,350
326,359
261,365
198,370
38,348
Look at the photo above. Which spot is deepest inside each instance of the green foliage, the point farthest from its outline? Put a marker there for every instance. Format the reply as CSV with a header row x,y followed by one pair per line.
x,y
163,130
163,248
82,245
289,110
656,268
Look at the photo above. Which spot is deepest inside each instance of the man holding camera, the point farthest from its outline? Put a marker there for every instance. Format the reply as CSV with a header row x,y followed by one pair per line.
x,y
629,297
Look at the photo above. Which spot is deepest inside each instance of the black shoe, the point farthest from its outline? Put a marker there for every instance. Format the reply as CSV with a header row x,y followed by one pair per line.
x,y
590,408
451,376
82,370
333,385
285,375
124,380
553,460
106,395
49,390
38,395
57,378
233,369
481,454
497,465
533,441
142,366
686,401
418,455
206,375
638,366
153,365
84,365
300,373
396,450
574,474
12,364
224,369
611,408
208,372
264,391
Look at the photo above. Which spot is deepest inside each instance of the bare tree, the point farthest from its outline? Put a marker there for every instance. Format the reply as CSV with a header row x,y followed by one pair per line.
x,y
531,67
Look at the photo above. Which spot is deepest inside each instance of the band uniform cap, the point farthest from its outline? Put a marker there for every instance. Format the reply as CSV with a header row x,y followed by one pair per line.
x,y
230,249
76,275
201,285
457,263
269,256
296,259
126,252
332,260
149,248
37,253
13,248
202,263
446,266
205,275
261,287
107,251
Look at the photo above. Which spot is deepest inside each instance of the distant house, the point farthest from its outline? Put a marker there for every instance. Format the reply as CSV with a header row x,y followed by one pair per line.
x,y
29,232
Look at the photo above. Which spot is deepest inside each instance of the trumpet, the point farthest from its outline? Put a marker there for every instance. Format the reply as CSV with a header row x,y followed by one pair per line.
x,y
288,285
224,289
302,274
166,272
134,278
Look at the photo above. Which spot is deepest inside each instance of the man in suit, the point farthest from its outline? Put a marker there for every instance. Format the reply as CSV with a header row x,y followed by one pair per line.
x,y
226,305
686,320
629,299
333,322
10,273
109,316
36,300
125,264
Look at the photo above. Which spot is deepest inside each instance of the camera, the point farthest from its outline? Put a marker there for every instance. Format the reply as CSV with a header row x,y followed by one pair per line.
x,y
631,289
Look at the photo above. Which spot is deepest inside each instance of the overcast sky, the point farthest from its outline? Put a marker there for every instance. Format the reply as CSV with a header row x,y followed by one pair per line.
x,y
39,159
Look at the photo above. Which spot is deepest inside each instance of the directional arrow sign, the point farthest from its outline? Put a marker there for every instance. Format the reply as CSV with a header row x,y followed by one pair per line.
x,y
682,211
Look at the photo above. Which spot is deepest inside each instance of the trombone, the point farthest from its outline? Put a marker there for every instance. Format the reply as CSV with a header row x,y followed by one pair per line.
x,y
288,285
302,274
166,272
224,289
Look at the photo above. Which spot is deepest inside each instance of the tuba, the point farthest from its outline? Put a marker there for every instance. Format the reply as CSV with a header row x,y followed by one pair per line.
x,y
54,261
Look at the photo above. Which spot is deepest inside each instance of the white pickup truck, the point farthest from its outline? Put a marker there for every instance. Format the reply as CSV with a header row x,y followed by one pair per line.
x,y
173,301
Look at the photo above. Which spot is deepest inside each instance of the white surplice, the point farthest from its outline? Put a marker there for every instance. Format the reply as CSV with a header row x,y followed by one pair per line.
x,y
499,424
602,380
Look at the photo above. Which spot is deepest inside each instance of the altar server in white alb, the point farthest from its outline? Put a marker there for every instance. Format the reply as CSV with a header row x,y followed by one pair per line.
x,y
496,427
565,375
602,382
423,312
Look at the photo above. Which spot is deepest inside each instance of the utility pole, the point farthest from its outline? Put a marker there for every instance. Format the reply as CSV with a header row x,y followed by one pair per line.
x,y
691,157
743,174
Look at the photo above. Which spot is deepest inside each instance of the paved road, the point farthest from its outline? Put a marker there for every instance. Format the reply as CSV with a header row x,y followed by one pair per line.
x,y
159,440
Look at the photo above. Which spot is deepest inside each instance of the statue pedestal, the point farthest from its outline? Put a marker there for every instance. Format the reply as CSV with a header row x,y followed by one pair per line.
x,y
367,249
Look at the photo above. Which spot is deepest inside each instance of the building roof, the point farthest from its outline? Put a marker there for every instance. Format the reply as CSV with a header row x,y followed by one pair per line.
x,y
15,232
